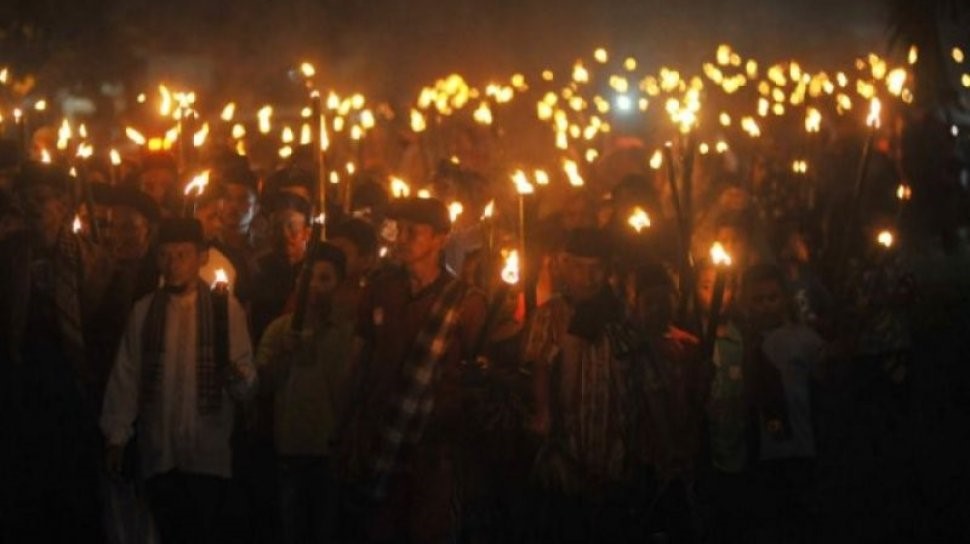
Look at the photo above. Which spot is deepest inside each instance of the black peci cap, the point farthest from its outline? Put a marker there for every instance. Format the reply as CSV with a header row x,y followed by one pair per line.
x,y
180,229
426,211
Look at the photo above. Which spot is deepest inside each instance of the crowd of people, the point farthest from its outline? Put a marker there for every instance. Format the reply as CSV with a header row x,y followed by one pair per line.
x,y
231,368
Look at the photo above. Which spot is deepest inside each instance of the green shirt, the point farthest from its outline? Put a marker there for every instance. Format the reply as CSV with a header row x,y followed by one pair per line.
x,y
305,382
726,410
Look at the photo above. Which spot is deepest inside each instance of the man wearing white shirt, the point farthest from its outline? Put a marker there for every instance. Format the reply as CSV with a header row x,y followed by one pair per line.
x,y
184,357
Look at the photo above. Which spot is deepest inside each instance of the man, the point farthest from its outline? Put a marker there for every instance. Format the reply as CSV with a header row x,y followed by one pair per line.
x,y
585,404
277,270
51,283
208,211
184,357
782,360
358,240
305,370
239,186
415,326
158,178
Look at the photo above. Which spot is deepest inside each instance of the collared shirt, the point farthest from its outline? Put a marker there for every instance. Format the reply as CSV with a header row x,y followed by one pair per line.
x,y
172,435
305,383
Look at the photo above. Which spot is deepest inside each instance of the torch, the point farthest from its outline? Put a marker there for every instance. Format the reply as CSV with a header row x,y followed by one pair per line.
x,y
722,262
197,185
524,188
220,314
510,275
303,287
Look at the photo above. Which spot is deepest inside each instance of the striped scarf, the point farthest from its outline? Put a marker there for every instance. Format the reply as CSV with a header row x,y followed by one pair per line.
x,y
210,366
410,413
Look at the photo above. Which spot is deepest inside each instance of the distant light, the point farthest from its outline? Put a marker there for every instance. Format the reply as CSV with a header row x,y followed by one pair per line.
x,y
624,102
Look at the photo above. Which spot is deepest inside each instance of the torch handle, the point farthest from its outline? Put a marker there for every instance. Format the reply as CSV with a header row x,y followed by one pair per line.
x,y
303,285
714,318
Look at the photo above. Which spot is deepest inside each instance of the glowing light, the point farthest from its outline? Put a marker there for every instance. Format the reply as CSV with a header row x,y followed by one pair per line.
x,y
483,114
85,150
307,70
800,167
40,105
238,131
399,189
624,103
424,194
572,173
263,116
221,279
115,157
198,184
522,185
813,120
601,56
958,55
45,156
885,238
656,160
417,121
228,112
489,210
875,108
913,55
541,177
454,210
904,192
639,219
198,139
76,226
287,136
135,136
719,256
510,269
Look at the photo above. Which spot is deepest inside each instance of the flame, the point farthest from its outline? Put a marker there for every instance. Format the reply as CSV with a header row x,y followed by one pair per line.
x,y
63,135
198,139
76,226
522,185
351,168
367,120
601,55
356,133
510,270
165,107
17,115
4,75
137,137
198,184
572,172
656,160
904,192
307,70
800,167
40,105
885,238
399,189
222,279
483,114
813,120
85,150
454,210
639,219
320,219
263,116
45,156
285,152
424,194
489,210
115,157
306,134
958,55
913,55
417,121
875,108
719,256
541,177
334,177
895,81
287,135
228,112
238,131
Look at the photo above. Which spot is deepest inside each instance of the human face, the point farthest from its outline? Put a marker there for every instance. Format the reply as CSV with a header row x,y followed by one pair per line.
x,y
45,209
766,304
210,216
705,290
654,308
417,243
292,233
323,282
583,277
357,264
180,262
239,207
158,183
130,234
